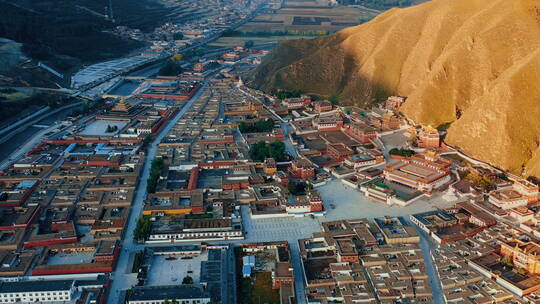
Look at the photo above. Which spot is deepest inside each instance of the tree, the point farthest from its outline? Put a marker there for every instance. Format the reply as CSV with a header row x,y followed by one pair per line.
x,y
147,140
193,53
187,280
178,36
155,172
258,151
507,261
261,150
143,228
111,129
248,44
243,127
262,125
503,177
402,152
288,94
277,150
481,180
297,188
171,67
334,99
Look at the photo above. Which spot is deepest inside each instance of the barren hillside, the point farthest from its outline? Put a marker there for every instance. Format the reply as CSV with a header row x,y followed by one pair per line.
x,y
472,63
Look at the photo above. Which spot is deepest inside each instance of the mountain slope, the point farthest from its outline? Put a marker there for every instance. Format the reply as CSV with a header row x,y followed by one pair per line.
x,y
472,63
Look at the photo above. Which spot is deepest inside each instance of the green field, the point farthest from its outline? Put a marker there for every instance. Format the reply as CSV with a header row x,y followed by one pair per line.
x,y
296,20
232,41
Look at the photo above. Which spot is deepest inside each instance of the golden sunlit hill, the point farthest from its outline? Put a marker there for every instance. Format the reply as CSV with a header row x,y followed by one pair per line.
x,y
472,63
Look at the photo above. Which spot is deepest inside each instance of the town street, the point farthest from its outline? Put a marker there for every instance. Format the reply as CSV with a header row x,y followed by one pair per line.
x,y
122,278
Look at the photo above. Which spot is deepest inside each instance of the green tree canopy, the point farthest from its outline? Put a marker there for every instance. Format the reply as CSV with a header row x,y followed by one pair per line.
x,y
297,188
402,152
248,44
262,125
155,172
170,68
143,228
261,150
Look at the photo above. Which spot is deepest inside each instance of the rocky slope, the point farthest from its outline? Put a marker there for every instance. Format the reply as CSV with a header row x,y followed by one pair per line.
x,y
472,63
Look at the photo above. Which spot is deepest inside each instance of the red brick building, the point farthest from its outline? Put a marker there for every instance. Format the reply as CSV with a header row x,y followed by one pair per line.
x,y
339,151
301,168
323,106
428,137
361,131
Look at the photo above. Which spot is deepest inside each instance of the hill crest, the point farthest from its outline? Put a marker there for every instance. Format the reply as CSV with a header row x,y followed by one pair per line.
x,y
471,63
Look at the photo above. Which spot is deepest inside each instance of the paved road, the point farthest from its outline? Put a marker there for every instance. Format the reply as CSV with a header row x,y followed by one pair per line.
x,y
122,278
298,272
282,229
26,147
291,150
426,245
228,276
14,148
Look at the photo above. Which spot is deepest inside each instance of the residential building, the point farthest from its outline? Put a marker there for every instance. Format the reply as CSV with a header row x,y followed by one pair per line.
x,y
37,291
185,294
507,199
524,255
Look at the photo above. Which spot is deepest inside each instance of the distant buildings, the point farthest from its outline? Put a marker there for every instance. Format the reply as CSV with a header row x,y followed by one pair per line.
x,y
171,90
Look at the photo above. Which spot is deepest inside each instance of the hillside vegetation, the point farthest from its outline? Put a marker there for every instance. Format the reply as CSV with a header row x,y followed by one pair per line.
x,y
472,63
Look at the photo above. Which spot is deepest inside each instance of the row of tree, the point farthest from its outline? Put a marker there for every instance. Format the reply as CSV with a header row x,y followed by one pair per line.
x,y
87,107
401,152
236,33
155,172
288,94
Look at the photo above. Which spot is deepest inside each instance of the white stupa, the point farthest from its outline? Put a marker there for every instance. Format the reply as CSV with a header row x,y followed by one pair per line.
x,y
450,195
